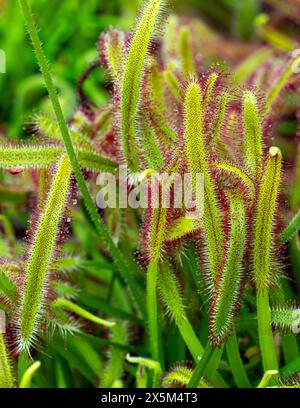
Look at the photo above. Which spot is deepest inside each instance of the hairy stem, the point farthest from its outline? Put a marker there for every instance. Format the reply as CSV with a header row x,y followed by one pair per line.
x,y
130,94
264,219
158,230
152,274
281,83
6,377
227,288
252,135
171,296
236,171
262,255
41,254
196,154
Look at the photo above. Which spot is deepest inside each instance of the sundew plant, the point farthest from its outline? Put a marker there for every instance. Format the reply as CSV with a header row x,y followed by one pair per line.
x,y
158,295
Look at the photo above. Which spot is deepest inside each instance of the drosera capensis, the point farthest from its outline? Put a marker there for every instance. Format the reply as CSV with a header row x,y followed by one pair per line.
x,y
286,318
39,258
195,150
168,295
186,53
26,157
157,233
226,293
90,206
262,253
252,135
131,84
181,375
6,375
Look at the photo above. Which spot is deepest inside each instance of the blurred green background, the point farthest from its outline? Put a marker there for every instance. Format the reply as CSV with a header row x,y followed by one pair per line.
x,y
69,30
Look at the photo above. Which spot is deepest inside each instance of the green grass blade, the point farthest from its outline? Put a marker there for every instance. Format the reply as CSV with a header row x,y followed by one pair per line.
x,y
291,229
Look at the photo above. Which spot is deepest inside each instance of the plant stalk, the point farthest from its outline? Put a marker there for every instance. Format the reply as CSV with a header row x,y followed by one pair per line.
x,y
207,365
236,364
266,339
152,314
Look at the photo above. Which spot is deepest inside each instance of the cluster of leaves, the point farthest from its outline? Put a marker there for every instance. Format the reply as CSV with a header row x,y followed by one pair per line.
x,y
168,113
